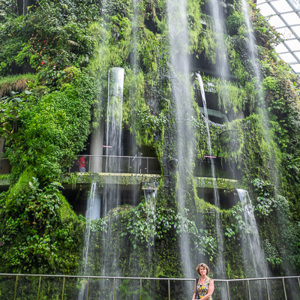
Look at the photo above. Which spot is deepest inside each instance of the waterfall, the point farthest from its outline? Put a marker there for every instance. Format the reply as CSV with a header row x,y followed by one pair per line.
x,y
111,197
252,250
24,8
220,265
133,89
92,213
150,198
253,254
253,54
111,192
178,36
222,65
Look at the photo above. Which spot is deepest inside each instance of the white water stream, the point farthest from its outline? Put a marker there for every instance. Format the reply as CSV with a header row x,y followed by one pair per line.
x,y
181,96
262,110
220,264
253,255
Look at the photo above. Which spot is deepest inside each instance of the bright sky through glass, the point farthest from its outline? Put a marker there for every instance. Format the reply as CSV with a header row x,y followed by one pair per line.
x,y
284,15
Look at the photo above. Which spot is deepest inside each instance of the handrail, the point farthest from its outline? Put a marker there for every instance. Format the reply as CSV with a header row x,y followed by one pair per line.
x,y
149,278
227,281
117,164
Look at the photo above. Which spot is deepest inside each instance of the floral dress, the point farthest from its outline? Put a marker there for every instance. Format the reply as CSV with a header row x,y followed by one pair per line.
x,y
203,289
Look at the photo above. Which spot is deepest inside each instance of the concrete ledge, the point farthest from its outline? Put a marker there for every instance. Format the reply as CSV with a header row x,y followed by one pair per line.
x,y
219,183
133,179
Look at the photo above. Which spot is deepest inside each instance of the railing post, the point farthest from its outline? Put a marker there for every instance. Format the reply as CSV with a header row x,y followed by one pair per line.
x,y
267,288
63,288
140,289
16,285
169,289
88,289
248,288
228,293
147,165
39,288
285,296
114,295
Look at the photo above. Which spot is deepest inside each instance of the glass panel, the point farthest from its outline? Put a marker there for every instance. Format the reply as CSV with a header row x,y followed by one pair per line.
x,y
296,3
266,10
282,6
288,57
292,288
154,289
7,287
276,289
177,290
281,48
276,22
296,29
51,288
27,288
258,289
72,288
220,290
294,45
297,54
238,290
291,18
296,68
285,33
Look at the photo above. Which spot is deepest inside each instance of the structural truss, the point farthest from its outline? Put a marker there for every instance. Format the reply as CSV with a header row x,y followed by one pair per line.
x,y
284,15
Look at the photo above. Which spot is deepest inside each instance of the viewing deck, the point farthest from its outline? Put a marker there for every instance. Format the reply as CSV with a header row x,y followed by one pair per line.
x,y
129,170
68,286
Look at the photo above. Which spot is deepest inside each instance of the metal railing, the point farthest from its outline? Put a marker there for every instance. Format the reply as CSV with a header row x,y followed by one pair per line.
x,y
118,164
139,287
134,165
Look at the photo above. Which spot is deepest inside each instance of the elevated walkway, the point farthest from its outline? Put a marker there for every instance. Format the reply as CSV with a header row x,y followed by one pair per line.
x,y
85,179
132,170
69,287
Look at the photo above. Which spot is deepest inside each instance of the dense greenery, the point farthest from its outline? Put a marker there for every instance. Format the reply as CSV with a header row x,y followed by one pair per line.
x,y
63,51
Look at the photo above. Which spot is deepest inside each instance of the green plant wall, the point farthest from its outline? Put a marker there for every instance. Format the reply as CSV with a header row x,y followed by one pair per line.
x,y
46,121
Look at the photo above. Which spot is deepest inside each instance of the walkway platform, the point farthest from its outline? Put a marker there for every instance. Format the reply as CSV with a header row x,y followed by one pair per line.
x,y
82,180
132,179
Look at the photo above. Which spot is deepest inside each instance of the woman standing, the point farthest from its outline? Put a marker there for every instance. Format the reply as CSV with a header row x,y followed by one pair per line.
x,y
204,286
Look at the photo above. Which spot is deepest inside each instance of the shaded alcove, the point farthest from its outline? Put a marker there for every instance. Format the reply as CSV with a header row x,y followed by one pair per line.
x,y
223,168
228,198
78,197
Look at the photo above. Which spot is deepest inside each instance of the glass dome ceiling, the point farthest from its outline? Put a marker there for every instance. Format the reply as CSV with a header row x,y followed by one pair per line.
x,y
284,15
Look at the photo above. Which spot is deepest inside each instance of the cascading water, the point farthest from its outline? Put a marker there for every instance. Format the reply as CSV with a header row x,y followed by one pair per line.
x,y
133,91
253,255
253,54
111,191
150,198
178,35
220,265
24,8
222,65
88,254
